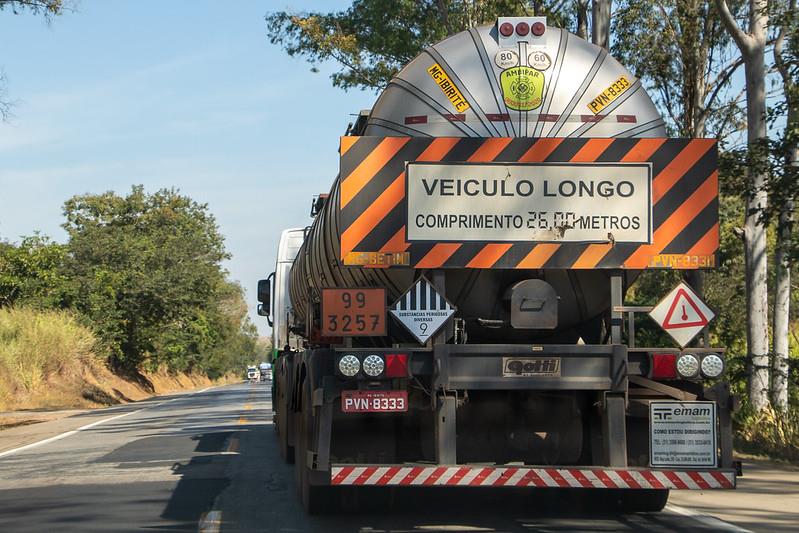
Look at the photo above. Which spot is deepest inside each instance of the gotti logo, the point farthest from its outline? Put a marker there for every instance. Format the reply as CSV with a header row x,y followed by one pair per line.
x,y
530,366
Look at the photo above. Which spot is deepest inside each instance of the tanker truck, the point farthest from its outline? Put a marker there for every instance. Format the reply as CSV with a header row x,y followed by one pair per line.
x,y
455,314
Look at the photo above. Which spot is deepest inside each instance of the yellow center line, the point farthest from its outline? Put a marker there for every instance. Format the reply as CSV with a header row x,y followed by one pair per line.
x,y
248,407
242,420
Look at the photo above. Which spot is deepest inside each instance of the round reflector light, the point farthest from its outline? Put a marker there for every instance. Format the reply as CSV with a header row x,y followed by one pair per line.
x,y
688,365
522,29
538,29
373,365
349,365
506,29
712,366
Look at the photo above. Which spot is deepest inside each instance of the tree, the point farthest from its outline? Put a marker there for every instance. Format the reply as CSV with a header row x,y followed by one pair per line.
x,y
145,269
581,14
373,39
30,272
683,55
48,8
783,193
752,45
600,23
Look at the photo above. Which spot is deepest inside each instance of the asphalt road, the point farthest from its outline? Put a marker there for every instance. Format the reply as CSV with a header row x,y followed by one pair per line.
x,y
209,461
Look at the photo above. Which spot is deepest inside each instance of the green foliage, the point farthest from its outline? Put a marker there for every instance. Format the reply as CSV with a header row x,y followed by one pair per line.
x,y
30,272
34,343
48,8
145,270
373,39
682,53
769,432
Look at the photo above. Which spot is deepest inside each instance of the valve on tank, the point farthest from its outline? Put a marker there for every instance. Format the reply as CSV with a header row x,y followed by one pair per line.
x,y
533,305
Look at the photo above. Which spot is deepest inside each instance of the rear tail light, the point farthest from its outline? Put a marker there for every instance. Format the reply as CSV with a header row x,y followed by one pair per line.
x,y
712,365
373,365
349,365
522,29
664,366
506,29
397,365
688,366
538,29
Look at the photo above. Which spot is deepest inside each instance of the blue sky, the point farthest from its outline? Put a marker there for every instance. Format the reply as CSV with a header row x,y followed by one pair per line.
x,y
184,93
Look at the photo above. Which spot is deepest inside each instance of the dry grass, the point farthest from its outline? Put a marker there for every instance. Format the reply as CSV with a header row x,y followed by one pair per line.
x,y
35,345
771,433
50,361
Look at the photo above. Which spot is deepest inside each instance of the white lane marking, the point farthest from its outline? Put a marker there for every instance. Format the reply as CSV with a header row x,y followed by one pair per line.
x,y
211,522
68,433
88,426
711,521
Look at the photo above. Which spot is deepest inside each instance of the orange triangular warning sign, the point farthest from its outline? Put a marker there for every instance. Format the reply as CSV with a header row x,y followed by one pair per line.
x,y
684,313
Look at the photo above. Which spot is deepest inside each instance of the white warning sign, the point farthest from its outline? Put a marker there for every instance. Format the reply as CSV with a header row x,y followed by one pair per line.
x,y
682,434
422,310
682,314
529,202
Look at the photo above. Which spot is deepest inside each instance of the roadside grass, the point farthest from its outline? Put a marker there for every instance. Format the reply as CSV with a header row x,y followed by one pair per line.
x,y
49,360
35,345
770,433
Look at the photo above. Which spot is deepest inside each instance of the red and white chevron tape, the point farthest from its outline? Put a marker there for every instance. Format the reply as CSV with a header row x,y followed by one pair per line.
x,y
497,476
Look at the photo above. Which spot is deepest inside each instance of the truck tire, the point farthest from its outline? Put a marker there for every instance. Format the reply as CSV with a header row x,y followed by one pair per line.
x,y
315,499
281,416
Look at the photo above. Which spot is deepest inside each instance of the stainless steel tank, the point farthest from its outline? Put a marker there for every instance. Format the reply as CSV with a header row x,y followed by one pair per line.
x,y
576,72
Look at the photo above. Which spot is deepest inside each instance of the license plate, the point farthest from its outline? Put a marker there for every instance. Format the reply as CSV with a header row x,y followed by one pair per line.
x,y
355,401
525,367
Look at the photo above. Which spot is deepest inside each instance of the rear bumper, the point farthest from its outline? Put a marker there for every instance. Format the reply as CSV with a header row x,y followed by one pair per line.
x,y
525,476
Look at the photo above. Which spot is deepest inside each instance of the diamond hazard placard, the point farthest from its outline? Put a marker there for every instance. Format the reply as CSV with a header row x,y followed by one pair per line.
x,y
682,314
422,310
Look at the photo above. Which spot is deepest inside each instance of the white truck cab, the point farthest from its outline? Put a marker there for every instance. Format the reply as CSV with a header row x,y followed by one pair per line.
x,y
275,291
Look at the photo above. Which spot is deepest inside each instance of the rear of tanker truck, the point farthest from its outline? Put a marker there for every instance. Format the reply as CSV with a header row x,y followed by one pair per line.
x,y
459,296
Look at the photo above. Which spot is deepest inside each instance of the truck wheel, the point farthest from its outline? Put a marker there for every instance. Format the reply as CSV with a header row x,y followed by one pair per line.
x,y
286,451
281,418
315,499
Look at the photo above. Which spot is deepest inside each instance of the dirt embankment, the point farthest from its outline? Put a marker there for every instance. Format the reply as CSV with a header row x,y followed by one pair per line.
x,y
49,361
95,386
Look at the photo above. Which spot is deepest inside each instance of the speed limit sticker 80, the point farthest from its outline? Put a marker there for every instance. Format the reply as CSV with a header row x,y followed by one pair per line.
x,y
353,312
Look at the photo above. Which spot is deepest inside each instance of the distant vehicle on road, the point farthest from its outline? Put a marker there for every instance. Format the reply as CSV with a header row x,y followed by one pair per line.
x,y
266,371
253,374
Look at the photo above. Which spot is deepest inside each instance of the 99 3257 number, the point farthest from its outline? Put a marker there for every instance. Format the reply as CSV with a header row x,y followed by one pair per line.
x,y
353,312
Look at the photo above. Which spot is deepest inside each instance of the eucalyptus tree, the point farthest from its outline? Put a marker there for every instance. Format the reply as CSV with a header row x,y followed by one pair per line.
x,y
784,191
749,34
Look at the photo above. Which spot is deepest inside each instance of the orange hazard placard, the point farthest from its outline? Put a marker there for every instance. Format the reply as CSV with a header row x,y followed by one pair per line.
x,y
353,312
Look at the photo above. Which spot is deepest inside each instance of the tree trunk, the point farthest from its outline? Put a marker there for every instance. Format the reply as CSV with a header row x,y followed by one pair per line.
x,y
782,262
600,23
752,45
581,6
755,246
782,305
786,206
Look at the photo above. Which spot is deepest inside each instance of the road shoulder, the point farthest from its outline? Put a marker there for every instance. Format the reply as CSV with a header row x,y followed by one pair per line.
x,y
765,499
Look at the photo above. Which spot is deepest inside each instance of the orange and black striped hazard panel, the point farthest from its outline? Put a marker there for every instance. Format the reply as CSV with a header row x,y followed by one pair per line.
x,y
528,203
